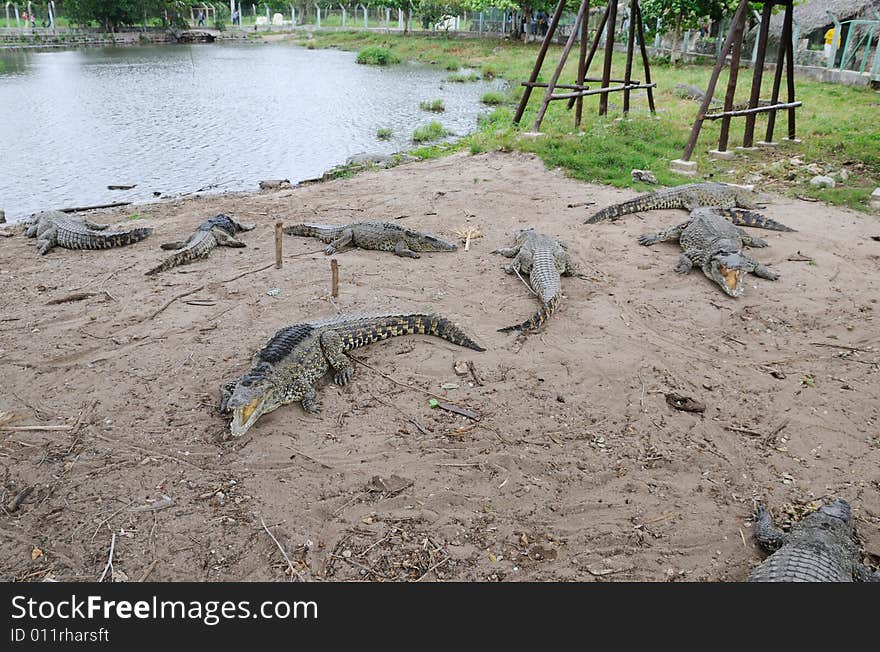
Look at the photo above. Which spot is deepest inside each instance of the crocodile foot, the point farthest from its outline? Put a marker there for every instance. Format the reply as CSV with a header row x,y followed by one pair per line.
x,y
343,376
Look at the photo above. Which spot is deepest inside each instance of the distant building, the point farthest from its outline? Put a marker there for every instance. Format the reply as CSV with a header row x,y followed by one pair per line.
x,y
814,22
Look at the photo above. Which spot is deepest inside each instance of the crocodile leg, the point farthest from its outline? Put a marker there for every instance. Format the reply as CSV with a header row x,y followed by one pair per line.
x,y
94,226
226,390
863,574
761,270
686,261
768,535
46,240
309,403
225,240
507,252
570,267
172,245
342,241
242,226
402,249
751,241
332,346
673,233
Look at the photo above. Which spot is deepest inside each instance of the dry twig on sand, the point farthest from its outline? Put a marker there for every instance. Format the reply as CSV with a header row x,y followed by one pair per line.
x,y
293,572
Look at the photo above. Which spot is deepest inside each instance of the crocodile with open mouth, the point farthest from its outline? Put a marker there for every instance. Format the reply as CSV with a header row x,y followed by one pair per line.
x,y
715,245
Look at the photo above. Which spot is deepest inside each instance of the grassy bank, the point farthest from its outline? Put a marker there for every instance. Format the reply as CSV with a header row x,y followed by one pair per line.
x,y
838,124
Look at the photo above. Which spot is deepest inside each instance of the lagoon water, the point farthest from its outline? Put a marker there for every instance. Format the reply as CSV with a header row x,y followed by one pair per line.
x,y
175,119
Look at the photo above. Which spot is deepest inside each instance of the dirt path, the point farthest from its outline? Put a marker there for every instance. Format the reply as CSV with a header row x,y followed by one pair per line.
x,y
578,468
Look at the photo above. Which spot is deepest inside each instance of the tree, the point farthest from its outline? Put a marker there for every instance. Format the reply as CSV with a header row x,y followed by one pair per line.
x,y
684,14
112,14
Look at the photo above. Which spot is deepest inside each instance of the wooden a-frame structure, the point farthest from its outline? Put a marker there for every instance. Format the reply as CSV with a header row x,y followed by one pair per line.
x,y
784,58
579,90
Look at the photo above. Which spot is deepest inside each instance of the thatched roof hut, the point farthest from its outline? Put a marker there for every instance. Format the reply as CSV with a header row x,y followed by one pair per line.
x,y
812,15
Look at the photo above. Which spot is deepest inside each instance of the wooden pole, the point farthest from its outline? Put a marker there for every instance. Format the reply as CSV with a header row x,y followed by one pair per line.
x,y
278,225
568,44
645,63
582,64
737,31
789,72
592,51
631,36
334,272
758,73
713,80
777,76
758,109
545,44
609,52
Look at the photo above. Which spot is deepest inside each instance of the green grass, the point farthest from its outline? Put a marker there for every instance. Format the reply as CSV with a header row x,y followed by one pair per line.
x,y
376,56
431,131
383,133
461,77
835,122
435,106
492,98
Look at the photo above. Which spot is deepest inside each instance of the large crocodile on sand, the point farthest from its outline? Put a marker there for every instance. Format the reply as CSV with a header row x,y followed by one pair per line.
x,y
287,367
544,259
218,231
715,245
54,228
382,236
820,548
688,196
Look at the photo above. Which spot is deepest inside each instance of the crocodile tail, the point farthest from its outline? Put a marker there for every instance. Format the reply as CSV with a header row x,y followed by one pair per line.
x,y
641,203
742,217
198,247
366,330
101,240
326,232
536,320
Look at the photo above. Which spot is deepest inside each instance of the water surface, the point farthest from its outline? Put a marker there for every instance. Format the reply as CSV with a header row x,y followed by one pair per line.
x,y
175,119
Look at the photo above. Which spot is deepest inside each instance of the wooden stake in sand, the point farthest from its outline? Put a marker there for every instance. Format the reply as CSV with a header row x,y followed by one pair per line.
x,y
278,226
334,271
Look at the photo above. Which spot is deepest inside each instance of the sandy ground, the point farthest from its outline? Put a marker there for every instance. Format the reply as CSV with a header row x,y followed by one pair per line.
x,y
578,468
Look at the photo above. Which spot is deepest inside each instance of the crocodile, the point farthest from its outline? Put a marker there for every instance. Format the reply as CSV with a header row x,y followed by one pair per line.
x,y
544,259
713,243
688,196
687,91
287,367
54,228
218,231
382,236
690,92
820,548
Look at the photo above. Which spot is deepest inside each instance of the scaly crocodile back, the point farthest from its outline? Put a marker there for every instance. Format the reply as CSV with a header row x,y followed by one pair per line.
x,y
198,246
220,221
325,232
72,232
820,548
544,279
801,564
357,331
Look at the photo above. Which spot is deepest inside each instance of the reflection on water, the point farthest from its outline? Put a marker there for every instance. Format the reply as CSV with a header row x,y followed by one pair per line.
x,y
178,118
